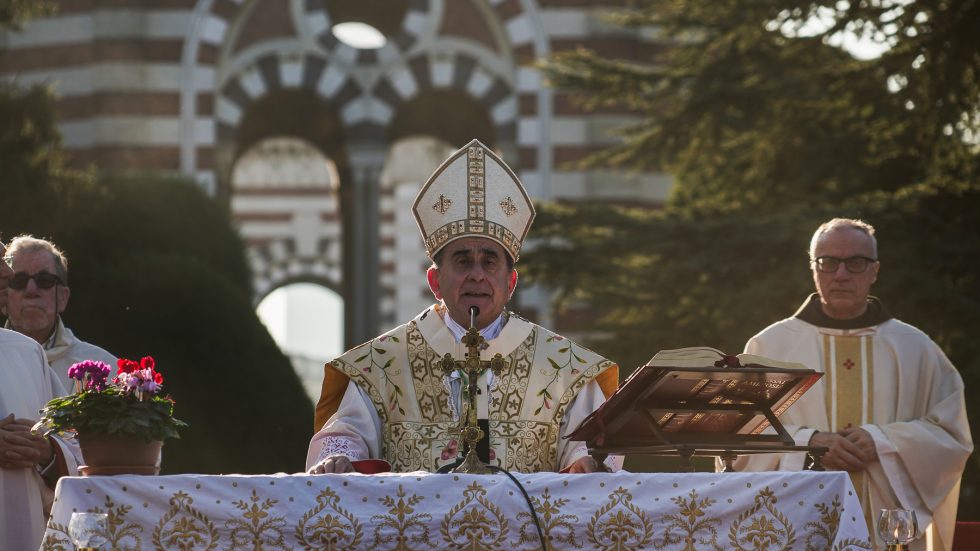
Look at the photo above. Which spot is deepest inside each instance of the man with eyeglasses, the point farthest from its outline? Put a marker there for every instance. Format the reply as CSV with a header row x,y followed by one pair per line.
x,y
890,406
37,295
30,464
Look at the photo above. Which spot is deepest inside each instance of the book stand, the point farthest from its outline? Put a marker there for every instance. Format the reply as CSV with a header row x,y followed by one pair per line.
x,y
717,410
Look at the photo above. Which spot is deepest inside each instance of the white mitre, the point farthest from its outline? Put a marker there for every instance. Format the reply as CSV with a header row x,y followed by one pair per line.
x,y
473,194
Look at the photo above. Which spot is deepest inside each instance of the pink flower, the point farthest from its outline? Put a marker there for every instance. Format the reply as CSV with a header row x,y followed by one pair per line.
x,y
92,374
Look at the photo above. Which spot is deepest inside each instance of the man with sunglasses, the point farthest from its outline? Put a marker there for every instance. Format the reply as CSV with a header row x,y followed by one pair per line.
x,y
30,464
37,295
890,406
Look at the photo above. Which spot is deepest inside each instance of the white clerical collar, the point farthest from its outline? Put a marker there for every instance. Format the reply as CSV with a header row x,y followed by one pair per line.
x,y
489,332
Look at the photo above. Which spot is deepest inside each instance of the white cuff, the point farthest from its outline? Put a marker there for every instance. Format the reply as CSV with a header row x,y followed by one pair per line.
x,y
345,446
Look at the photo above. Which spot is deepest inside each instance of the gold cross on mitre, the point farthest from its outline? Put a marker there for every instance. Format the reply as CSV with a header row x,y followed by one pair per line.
x,y
472,367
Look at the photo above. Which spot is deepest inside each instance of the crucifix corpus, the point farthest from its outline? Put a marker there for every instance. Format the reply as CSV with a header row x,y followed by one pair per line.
x,y
472,367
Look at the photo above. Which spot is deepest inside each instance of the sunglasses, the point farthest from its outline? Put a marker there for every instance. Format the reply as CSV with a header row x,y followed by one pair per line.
x,y
43,280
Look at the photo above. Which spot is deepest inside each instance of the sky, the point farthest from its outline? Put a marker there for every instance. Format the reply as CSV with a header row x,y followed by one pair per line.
x,y
307,322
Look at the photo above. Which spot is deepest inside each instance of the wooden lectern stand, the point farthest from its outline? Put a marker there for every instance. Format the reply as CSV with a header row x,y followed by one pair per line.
x,y
698,401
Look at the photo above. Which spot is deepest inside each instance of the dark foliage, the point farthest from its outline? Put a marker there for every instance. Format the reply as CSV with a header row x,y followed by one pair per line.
x,y
156,269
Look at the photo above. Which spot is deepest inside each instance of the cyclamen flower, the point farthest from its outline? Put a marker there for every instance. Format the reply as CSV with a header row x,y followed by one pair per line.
x,y
141,382
92,374
127,366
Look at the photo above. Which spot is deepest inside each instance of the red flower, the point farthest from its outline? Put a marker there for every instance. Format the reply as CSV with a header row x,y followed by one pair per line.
x,y
127,366
147,362
157,378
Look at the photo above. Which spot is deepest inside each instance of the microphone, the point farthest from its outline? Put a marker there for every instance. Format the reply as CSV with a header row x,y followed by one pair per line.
x,y
474,312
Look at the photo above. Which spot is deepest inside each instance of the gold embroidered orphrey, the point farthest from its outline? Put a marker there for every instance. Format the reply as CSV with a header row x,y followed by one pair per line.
x,y
403,376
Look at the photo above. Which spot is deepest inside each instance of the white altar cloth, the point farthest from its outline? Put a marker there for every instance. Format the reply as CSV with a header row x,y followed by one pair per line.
x,y
778,510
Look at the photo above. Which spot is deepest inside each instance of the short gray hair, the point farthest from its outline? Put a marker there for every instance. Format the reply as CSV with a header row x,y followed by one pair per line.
x,y
839,223
28,243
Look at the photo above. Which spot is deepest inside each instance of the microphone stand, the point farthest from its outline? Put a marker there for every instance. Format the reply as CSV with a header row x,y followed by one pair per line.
x,y
469,429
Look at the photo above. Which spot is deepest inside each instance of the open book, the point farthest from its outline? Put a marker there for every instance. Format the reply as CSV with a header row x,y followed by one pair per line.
x,y
698,395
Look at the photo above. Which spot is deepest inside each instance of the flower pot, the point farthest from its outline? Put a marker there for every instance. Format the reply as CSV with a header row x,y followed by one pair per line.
x,y
106,454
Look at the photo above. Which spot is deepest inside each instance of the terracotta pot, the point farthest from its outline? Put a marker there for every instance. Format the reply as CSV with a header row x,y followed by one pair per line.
x,y
106,454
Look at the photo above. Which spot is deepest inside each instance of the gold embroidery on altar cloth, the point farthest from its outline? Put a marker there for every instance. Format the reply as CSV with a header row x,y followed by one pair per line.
x,y
820,535
402,525
763,526
184,527
557,527
119,533
619,524
694,528
475,522
257,529
328,526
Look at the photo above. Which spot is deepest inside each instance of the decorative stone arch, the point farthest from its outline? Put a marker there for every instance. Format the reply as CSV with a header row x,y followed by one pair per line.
x,y
461,72
282,183
278,278
365,89
416,21
210,22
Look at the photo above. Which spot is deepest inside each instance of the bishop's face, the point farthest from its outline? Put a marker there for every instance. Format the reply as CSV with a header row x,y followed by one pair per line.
x,y
473,272
844,295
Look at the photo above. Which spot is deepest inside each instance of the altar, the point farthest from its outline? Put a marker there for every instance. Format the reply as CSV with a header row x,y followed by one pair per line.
x,y
776,510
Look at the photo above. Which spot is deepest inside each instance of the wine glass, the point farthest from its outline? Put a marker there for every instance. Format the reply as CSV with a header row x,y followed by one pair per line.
x,y
897,527
88,530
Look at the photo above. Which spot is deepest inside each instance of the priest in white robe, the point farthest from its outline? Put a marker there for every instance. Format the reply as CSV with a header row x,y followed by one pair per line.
x,y
29,463
890,406
390,401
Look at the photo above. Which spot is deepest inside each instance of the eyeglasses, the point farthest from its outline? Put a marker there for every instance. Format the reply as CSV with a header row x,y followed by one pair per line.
x,y
853,264
43,280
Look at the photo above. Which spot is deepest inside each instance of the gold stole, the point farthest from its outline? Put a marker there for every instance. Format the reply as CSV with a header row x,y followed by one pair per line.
x,y
849,380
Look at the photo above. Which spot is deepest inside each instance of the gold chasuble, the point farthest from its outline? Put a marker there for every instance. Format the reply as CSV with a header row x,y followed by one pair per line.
x,y
849,378
401,373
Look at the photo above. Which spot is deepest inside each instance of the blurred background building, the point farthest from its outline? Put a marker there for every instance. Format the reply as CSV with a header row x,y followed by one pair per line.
x,y
317,121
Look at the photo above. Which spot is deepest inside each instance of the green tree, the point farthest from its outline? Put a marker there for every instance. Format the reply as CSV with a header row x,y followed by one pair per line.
x,y
157,269
767,133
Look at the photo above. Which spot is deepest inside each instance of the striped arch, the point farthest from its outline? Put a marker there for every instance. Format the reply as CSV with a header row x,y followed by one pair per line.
x,y
417,23
211,20
271,73
521,21
461,72
276,264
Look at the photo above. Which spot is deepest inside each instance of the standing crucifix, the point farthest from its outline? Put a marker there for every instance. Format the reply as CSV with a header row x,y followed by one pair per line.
x,y
469,429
